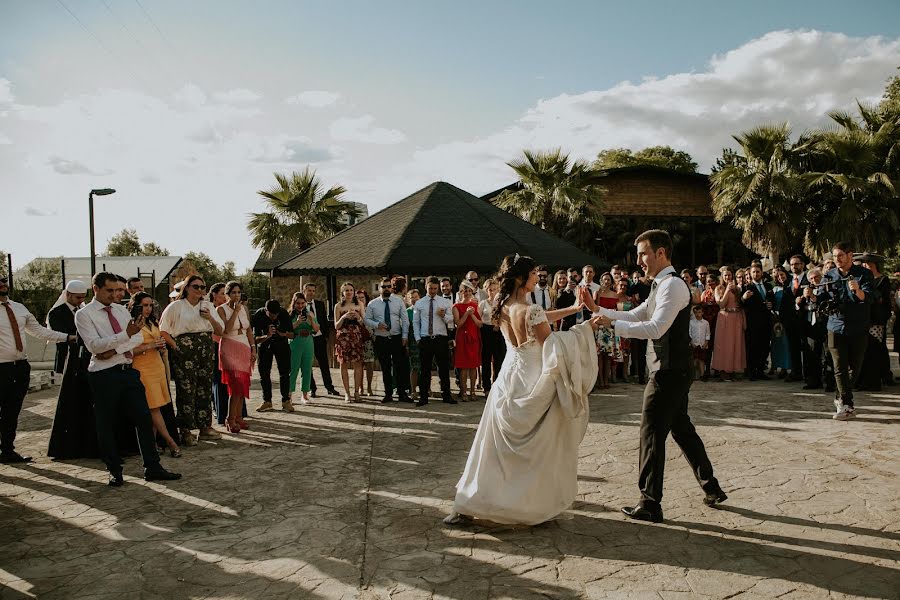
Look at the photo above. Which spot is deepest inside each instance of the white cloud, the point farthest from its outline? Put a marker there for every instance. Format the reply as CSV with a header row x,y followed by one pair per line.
x,y
72,167
5,140
314,98
237,96
794,76
6,95
360,129
32,211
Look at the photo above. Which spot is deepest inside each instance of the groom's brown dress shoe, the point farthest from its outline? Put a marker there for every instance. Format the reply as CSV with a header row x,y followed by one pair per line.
x,y
643,514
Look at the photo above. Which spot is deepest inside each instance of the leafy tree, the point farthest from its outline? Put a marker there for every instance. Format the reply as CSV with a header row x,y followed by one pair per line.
x,y
127,243
206,267
301,212
3,264
728,158
659,156
563,197
757,191
40,274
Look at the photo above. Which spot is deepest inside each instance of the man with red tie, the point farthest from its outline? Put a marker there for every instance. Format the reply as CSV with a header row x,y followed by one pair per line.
x,y
15,371
109,333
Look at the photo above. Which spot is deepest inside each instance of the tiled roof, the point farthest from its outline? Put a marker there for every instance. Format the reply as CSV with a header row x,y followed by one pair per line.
x,y
439,229
282,253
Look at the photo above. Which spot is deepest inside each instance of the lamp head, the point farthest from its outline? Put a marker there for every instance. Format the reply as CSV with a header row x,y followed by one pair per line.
x,y
103,192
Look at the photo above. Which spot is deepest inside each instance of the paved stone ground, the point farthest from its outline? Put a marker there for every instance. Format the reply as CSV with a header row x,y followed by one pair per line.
x,y
345,501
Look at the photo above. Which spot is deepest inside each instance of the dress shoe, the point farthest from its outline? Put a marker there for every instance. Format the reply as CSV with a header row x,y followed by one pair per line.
x,y
812,386
116,480
386,399
12,457
405,398
160,474
422,402
332,392
643,514
450,401
763,376
714,497
313,393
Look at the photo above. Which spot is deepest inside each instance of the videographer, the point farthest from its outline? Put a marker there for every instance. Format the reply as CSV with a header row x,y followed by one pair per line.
x,y
848,291
273,330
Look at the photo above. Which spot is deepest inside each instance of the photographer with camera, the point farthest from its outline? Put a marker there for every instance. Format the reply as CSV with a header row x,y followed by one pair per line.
x,y
847,297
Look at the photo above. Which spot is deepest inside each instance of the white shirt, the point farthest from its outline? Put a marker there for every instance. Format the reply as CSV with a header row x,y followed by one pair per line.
x,y
540,294
311,307
595,287
239,327
27,324
653,318
440,325
699,332
485,309
92,323
181,317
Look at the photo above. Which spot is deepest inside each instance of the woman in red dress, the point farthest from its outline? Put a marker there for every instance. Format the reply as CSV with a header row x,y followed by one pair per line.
x,y
467,352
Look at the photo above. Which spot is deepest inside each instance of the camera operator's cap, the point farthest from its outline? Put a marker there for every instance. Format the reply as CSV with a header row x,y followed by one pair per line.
x,y
174,293
869,257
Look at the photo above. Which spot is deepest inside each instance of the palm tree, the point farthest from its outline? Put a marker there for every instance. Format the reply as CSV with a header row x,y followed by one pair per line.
x,y
302,213
757,191
557,195
850,182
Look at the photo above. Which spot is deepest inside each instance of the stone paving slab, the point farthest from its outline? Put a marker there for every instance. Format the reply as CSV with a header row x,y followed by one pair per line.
x,y
345,501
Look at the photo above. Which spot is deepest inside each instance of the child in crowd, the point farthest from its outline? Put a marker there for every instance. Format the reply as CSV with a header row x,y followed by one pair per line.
x,y
699,341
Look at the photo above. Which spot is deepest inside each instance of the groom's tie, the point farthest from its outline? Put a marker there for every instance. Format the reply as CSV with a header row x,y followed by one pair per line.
x,y
651,300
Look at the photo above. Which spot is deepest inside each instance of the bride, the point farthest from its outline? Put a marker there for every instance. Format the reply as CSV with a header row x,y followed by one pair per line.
x,y
523,465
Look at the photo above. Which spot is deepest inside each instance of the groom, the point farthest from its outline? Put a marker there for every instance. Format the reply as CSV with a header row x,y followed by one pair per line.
x,y
664,319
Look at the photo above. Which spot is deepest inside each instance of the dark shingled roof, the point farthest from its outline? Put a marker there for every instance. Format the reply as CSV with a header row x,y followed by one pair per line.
x,y
281,253
439,229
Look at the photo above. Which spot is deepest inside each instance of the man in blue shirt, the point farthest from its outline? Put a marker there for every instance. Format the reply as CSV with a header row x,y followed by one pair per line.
x,y
388,317
850,295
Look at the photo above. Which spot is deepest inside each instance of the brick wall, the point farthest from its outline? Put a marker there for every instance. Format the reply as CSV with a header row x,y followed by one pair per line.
x,y
657,194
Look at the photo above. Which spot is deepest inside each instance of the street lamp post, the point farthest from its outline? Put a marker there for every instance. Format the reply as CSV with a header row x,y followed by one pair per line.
x,y
100,192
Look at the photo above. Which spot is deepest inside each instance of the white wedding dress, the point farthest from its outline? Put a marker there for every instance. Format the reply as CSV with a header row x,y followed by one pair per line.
x,y
523,465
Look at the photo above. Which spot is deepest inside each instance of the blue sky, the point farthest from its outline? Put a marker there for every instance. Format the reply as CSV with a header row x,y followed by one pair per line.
x,y
188,107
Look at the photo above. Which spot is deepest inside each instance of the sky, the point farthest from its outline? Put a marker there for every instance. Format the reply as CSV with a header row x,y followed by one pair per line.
x,y
188,108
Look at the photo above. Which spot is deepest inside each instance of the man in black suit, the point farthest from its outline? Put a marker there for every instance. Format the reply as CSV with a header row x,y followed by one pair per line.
x,y
320,340
792,319
62,318
758,300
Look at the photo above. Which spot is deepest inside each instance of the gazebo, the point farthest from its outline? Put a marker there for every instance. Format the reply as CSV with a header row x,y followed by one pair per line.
x,y
440,230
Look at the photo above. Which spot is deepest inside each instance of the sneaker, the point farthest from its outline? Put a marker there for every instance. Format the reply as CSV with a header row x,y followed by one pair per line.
x,y
838,405
188,438
844,414
264,407
305,401
209,434
286,406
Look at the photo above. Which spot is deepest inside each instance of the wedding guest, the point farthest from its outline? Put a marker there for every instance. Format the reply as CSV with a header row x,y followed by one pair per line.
x,y
784,311
111,336
710,313
432,317
402,382
560,283
412,348
568,296
607,347
218,297
135,285
318,310
790,316
188,325
368,358
758,301
575,274
148,361
467,354
541,294
729,351
876,369
74,434
700,336
304,327
387,316
473,278
625,303
688,278
15,371
237,353
272,332
700,281
588,272
348,346
493,346
818,368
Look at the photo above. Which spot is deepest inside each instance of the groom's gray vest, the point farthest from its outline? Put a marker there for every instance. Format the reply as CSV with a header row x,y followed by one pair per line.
x,y
673,349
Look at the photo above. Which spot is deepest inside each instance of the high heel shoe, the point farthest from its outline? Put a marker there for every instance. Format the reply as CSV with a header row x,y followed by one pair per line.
x,y
356,397
243,424
233,427
347,399
175,452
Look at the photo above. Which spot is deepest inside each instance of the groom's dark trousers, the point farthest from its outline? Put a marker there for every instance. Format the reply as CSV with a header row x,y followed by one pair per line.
x,y
665,410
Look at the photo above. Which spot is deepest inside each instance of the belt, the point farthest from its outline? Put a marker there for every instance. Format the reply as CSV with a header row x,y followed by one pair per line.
x,y
433,337
14,362
732,310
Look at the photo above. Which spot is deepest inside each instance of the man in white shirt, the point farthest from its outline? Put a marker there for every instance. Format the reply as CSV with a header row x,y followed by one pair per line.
x,y
110,335
664,320
432,318
541,293
15,371
388,317
471,277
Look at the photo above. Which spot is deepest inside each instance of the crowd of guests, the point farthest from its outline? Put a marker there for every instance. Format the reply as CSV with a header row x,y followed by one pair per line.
x,y
821,324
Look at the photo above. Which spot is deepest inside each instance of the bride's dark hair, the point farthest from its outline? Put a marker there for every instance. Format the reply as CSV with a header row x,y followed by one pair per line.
x,y
513,267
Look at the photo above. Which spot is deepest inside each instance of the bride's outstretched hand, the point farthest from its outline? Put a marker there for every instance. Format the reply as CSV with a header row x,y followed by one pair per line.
x,y
596,322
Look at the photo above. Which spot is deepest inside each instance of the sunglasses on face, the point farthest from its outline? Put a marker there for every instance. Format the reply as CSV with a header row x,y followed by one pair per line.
x,y
198,287
473,279
385,287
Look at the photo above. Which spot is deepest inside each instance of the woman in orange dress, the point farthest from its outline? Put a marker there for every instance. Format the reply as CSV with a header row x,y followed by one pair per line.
x,y
467,351
148,361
